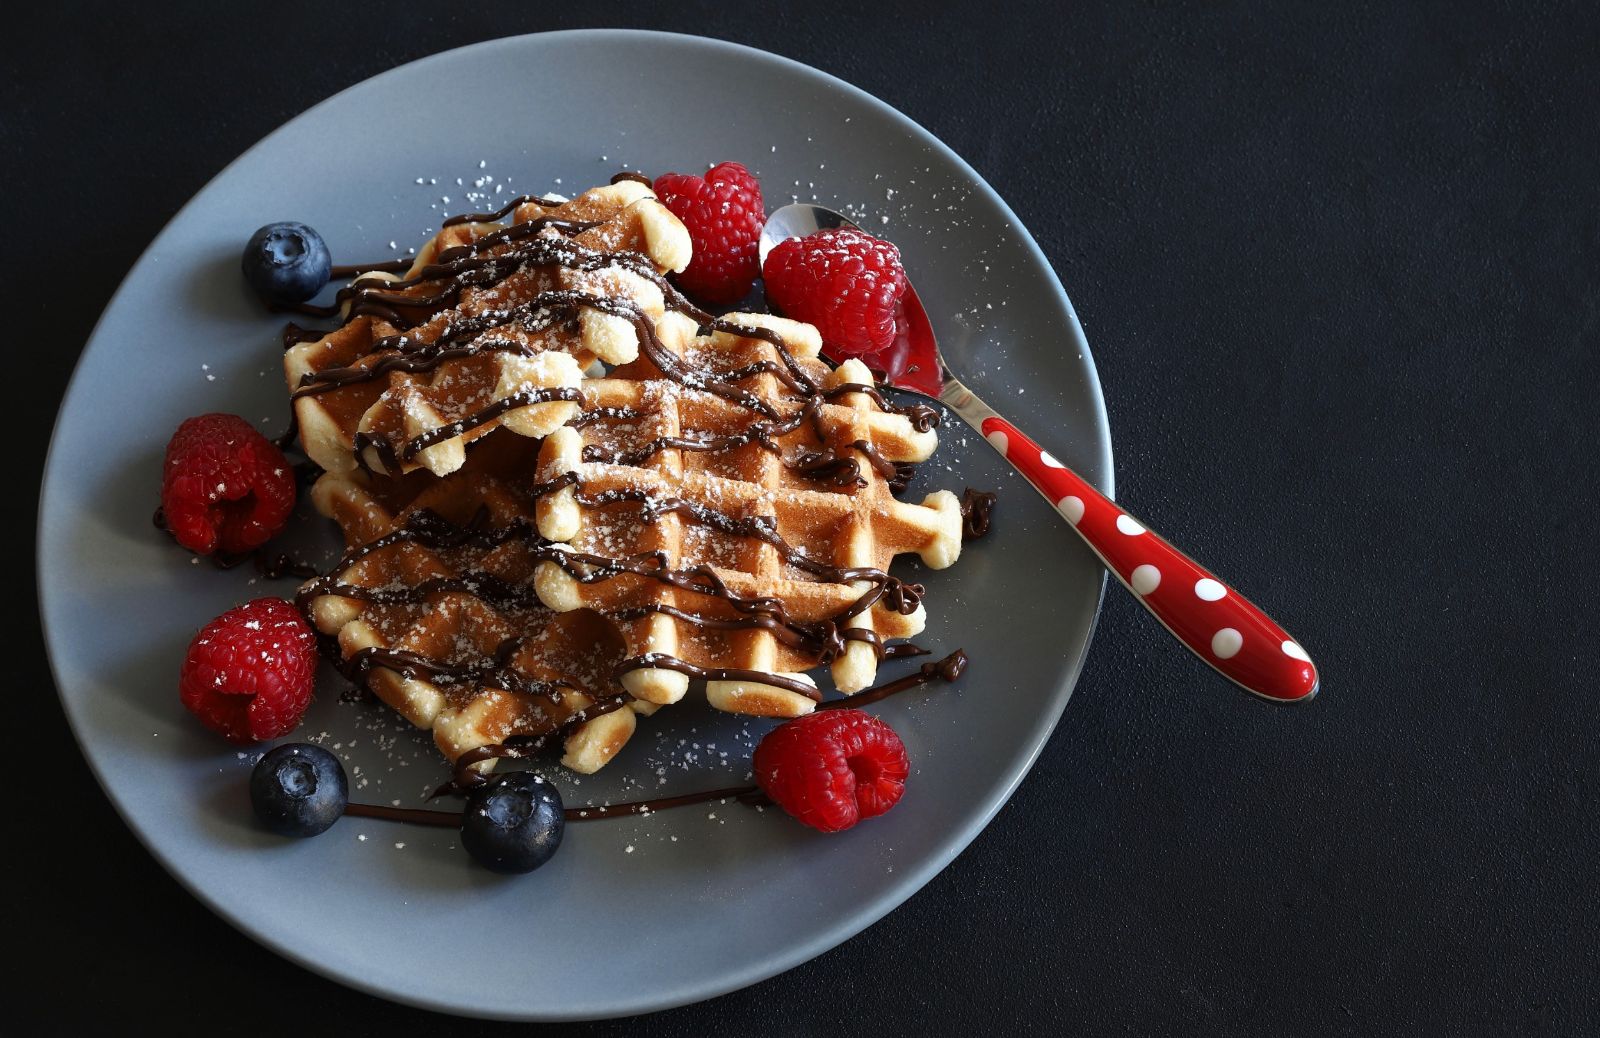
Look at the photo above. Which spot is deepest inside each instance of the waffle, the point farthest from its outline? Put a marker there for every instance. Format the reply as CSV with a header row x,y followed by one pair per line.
x,y
491,326
749,491
433,608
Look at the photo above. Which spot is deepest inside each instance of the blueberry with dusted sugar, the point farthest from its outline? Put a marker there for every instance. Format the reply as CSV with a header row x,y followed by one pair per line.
x,y
287,262
299,789
513,823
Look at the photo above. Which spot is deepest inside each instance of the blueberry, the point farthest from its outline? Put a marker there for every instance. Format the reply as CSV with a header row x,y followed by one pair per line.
x,y
513,823
298,789
287,262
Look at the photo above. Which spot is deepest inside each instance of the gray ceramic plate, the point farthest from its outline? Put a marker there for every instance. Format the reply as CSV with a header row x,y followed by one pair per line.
x,y
635,914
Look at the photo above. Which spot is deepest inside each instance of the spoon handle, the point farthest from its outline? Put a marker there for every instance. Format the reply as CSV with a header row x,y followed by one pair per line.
x,y
1218,624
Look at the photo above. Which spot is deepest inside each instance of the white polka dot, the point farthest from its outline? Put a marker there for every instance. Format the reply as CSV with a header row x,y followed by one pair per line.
x,y
1128,525
1050,460
999,442
1225,643
1210,590
1292,648
1145,579
1072,508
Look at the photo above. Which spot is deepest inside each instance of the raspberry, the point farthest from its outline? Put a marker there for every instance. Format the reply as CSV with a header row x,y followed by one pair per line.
x,y
723,212
832,769
843,281
225,487
249,672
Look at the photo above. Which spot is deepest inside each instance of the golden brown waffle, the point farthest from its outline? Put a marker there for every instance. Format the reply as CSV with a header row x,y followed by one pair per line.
x,y
434,609
749,489
492,325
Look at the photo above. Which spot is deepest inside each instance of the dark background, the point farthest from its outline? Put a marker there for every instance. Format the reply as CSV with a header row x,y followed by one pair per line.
x,y
1340,267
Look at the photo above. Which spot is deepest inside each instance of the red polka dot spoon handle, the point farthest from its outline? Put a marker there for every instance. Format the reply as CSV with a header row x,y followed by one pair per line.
x,y
1217,623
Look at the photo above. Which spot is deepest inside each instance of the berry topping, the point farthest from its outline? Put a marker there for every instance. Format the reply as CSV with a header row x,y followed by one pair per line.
x,y
833,768
225,488
513,822
843,281
298,789
286,262
723,212
249,672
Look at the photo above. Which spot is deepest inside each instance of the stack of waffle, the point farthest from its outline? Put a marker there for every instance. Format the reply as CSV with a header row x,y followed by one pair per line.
x,y
567,493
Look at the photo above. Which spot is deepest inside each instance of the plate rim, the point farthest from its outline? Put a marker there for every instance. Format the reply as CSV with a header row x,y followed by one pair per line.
x,y
914,880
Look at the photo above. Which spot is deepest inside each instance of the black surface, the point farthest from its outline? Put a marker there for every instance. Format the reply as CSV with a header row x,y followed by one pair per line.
x,y
1341,272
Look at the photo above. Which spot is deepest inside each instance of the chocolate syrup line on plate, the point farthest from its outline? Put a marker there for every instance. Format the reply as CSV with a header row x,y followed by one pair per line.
x,y
350,270
452,819
633,175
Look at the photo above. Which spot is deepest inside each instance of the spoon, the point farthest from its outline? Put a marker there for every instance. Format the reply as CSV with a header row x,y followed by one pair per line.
x,y
1214,621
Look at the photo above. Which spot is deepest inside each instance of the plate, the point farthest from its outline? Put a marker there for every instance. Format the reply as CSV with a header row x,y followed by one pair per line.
x,y
634,914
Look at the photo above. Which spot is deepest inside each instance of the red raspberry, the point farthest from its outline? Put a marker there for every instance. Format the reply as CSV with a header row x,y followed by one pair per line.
x,y
225,488
843,281
249,672
833,768
723,212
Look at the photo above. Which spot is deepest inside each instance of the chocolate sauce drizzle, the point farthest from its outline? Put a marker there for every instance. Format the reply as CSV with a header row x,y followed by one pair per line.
x,y
450,430
504,211
466,774
948,669
977,507
751,795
